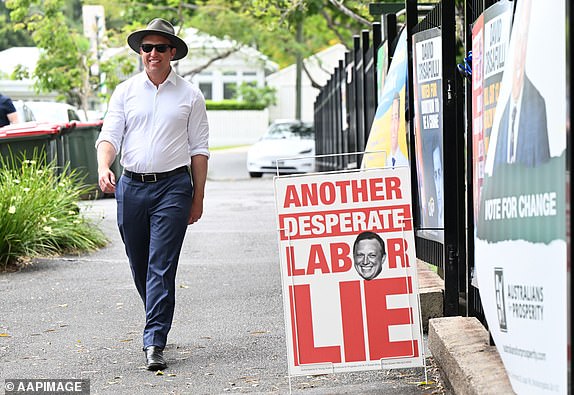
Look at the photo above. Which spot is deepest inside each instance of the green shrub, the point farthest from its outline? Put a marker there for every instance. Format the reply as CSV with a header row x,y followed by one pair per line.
x,y
233,105
249,93
39,214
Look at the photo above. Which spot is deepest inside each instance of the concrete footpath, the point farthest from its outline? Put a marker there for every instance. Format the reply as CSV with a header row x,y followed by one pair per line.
x,y
80,316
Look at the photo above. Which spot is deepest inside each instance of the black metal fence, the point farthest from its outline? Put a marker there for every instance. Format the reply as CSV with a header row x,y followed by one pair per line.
x,y
345,109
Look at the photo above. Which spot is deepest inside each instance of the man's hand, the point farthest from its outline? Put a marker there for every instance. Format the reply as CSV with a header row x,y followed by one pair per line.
x,y
198,176
196,210
106,178
107,181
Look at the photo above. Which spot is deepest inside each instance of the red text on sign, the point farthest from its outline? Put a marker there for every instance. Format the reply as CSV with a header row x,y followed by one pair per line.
x,y
340,258
332,223
379,318
344,191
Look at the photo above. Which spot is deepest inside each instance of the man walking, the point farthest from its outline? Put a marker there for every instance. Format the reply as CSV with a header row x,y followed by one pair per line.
x,y
159,122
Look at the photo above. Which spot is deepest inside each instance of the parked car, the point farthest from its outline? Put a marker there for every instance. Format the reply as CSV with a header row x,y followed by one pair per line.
x,y
24,112
48,111
284,139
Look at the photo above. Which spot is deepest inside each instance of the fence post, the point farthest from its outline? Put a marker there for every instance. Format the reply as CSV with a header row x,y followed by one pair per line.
x,y
343,122
369,84
411,21
317,127
453,166
351,106
359,96
390,31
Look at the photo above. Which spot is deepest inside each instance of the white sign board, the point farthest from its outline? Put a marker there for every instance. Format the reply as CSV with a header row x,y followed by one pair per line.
x,y
348,267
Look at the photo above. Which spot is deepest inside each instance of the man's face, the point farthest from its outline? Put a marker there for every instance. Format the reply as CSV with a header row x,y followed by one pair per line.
x,y
156,62
368,258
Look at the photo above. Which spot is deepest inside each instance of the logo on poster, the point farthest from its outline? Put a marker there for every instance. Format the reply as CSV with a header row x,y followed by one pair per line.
x,y
499,293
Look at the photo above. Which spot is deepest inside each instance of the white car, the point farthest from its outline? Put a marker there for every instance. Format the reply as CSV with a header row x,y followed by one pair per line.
x,y
24,112
284,139
48,111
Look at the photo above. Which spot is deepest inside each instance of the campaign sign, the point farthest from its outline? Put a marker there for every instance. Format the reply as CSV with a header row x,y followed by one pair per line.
x,y
348,269
522,239
428,123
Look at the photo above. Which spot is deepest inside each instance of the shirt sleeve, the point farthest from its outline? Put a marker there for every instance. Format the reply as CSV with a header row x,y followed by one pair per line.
x,y
10,108
114,121
198,128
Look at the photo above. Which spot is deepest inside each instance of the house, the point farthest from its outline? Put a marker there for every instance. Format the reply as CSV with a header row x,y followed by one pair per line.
x,y
216,66
238,64
26,57
320,66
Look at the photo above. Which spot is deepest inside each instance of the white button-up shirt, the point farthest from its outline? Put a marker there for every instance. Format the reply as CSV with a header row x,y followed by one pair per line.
x,y
157,129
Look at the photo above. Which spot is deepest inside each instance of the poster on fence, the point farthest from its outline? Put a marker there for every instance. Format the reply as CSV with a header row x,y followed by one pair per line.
x,y
387,143
427,88
478,145
348,269
521,249
490,37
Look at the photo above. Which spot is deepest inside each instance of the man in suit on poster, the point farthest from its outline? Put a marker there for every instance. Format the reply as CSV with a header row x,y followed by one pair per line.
x,y
396,157
523,132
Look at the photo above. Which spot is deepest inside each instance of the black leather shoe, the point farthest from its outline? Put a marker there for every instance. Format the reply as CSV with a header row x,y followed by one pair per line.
x,y
154,358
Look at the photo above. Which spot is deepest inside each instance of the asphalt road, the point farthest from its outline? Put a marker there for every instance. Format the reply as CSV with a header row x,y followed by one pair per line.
x,y
80,316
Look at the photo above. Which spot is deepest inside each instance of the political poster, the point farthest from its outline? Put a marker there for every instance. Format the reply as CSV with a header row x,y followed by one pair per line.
x,y
478,146
520,243
427,91
348,269
490,37
387,143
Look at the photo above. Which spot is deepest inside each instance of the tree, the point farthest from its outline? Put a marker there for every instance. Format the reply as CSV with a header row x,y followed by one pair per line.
x,y
255,95
268,25
285,30
8,37
271,25
64,63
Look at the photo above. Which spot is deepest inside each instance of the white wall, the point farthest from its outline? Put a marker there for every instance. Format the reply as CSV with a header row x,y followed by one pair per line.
x,y
320,66
23,90
236,127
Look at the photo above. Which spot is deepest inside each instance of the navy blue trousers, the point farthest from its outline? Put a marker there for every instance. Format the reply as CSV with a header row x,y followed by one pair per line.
x,y
152,219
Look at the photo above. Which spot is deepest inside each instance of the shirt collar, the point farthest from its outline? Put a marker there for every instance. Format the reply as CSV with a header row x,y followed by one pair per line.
x,y
171,77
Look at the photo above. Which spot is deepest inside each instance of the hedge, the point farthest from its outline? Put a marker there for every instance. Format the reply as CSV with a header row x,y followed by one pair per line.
x,y
232,105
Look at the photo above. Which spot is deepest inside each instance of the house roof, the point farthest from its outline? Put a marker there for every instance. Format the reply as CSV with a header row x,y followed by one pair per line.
x,y
320,65
12,57
205,45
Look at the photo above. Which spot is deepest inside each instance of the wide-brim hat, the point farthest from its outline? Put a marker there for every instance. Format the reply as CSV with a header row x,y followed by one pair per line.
x,y
163,28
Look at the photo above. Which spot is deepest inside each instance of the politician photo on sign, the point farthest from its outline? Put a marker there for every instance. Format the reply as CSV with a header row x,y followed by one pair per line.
x,y
396,157
523,131
369,255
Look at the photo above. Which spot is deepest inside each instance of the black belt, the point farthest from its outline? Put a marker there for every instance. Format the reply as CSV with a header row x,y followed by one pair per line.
x,y
154,177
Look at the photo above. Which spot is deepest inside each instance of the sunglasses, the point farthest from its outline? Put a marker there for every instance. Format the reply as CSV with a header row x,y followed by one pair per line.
x,y
161,48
